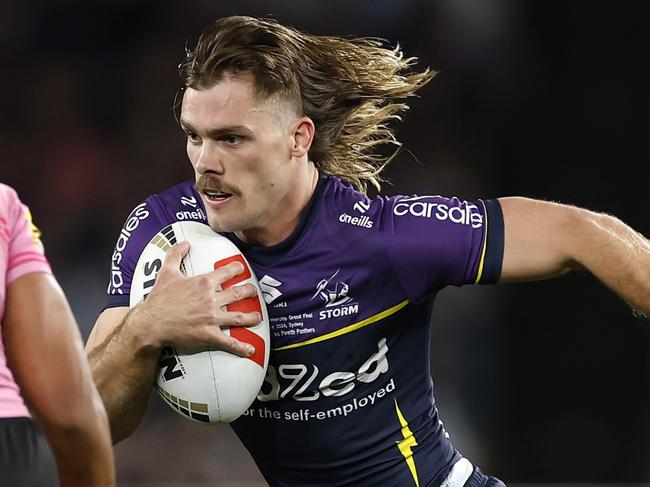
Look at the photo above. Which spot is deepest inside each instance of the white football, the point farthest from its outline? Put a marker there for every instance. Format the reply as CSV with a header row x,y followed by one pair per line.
x,y
212,386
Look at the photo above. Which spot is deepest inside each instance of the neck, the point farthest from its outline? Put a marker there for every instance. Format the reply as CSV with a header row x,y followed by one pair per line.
x,y
288,212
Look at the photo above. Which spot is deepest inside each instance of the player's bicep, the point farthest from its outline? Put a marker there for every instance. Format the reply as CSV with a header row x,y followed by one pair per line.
x,y
537,239
106,323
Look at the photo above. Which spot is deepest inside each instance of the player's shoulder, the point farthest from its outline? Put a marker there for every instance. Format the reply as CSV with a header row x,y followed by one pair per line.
x,y
13,212
178,202
437,208
157,211
182,202
7,192
350,207
8,197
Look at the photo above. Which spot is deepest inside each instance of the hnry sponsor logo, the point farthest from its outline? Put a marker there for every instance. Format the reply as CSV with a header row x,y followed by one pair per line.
x,y
300,382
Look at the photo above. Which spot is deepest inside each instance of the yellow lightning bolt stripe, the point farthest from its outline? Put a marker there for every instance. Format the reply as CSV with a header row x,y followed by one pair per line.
x,y
405,446
36,233
480,266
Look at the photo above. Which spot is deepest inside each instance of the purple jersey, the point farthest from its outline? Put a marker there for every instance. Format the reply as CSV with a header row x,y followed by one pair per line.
x,y
348,397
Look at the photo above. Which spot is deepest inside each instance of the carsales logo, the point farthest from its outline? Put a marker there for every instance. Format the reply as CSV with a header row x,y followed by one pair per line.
x,y
464,214
138,214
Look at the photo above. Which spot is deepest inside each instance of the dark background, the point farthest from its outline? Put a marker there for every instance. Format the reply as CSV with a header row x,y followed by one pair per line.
x,y
546,381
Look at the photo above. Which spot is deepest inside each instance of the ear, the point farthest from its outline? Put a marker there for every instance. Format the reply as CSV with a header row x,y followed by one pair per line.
x,y
303,136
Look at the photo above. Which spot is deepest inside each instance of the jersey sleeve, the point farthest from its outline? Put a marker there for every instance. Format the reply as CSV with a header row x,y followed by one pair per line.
x,y
436,241
141,225
25,250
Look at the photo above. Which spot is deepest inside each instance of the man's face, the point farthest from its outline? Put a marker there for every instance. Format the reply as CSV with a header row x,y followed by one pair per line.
x,y
240,149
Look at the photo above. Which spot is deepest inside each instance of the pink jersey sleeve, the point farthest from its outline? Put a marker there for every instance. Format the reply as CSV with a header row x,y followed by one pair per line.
x,y
24,250
21,252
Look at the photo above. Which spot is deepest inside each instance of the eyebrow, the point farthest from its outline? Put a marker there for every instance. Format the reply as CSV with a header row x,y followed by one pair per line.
x,y
218,132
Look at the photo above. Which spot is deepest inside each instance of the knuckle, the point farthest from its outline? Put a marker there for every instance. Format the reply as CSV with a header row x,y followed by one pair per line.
x,y
214,303
230,343
204,281
235,268
236,292
244,293
172,253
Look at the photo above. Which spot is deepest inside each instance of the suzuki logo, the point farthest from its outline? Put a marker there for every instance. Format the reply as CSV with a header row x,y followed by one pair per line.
x,y
268,286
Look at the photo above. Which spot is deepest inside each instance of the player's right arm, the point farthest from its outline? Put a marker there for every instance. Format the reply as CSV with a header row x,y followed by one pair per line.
x,y
45,352
122,370
186,312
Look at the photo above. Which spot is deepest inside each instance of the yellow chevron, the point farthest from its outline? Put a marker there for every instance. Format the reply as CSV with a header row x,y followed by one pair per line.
x,y
405,446
36,233
480,266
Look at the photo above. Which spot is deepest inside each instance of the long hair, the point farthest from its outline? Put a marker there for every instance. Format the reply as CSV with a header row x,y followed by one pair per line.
x,y
351,88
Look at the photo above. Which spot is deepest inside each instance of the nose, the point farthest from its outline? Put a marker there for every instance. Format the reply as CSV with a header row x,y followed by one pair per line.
x,y
209,159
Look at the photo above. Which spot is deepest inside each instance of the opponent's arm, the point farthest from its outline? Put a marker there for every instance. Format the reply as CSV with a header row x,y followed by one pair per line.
x,y
186,312
544,239
44,351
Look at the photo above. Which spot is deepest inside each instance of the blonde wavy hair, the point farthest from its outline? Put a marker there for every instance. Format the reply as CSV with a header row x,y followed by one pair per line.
x,y
350,88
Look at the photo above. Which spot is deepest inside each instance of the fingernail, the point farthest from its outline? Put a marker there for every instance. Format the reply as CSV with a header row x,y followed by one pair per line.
x,y
250,350
259,316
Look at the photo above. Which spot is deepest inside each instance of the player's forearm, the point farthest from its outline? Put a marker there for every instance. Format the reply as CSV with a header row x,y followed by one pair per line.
x,y
83,453
124,368
77,428
617,255
47,359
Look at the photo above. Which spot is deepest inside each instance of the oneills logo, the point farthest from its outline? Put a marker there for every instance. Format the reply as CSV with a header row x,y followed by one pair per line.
x,y
358,221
